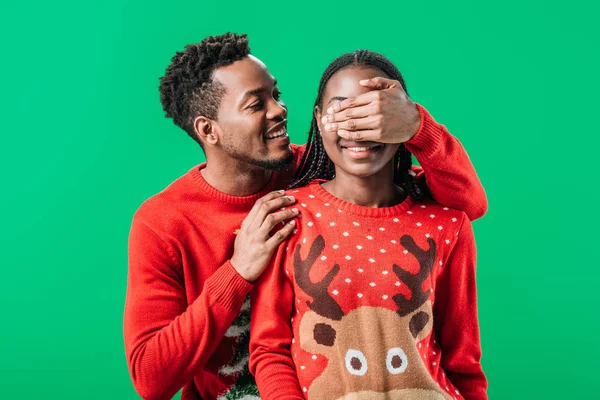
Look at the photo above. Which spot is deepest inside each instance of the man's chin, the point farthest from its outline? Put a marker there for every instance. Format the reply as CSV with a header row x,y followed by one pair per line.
x,y
275,164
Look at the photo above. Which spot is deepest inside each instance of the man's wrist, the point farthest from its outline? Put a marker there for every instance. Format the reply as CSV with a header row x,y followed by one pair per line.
x,y
416,123
428,138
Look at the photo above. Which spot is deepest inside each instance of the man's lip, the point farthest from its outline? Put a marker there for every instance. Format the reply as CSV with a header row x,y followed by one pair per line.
x,y
277,126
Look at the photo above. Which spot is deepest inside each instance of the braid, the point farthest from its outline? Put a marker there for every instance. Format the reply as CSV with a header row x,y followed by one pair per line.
x,y
308,154
404,175
315,164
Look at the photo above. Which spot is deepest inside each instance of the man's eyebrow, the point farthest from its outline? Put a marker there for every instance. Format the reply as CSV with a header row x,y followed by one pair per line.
x,y
340,98
253,93
256,91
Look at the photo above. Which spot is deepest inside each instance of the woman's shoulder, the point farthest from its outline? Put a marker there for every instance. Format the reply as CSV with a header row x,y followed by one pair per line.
x,y
431,213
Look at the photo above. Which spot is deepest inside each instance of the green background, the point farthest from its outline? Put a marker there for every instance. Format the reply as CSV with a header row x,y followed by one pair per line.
x,y
84,142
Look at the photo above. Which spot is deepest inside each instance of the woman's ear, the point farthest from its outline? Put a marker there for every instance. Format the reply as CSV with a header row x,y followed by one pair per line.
x,y
318,116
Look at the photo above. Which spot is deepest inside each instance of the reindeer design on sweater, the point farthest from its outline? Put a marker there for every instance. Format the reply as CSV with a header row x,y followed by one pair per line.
x,y
371,351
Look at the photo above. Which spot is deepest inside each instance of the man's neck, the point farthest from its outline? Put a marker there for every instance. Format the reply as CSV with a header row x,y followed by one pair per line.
x,y
236,178
373,191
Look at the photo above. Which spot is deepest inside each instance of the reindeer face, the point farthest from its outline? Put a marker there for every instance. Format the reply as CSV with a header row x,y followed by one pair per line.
x,y
371,351
397,394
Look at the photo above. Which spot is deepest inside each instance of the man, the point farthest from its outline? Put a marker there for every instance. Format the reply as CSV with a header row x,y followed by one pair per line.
x,y
196,248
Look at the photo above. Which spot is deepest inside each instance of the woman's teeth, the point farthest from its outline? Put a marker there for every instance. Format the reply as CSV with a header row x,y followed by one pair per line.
x,y
361,148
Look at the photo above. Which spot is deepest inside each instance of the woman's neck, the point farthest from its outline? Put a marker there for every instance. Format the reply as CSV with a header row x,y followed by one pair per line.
x,y
375,191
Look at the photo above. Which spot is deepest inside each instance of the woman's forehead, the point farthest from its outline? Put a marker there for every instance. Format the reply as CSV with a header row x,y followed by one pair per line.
x,y
345,82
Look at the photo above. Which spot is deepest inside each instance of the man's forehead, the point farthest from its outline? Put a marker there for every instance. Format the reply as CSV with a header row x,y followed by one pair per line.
x,y
246,74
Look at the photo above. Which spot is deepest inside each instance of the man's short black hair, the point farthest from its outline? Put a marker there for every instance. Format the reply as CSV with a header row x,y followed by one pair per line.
x,y
188,90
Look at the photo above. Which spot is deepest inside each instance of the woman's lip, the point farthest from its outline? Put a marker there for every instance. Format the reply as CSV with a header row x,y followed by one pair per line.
x,y
344,143
363,146
361,154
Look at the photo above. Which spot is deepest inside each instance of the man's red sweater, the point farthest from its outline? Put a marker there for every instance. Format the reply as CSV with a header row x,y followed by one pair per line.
x,y
186,321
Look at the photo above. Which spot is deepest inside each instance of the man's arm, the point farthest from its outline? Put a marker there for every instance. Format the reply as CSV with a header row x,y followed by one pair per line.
x,y
167,341
446,168
455,316
386,114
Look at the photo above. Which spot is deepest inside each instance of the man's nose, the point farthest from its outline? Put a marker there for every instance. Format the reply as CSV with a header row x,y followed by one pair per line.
x,y
277,109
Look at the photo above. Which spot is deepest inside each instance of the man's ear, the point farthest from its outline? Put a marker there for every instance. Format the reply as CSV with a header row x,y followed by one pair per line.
x,y
318,116
206,130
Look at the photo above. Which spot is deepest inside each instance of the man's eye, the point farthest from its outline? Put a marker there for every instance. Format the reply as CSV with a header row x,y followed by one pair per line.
x,y
277,96
257,106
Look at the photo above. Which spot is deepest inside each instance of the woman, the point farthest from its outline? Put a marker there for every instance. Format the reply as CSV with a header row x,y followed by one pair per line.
x,y
374,297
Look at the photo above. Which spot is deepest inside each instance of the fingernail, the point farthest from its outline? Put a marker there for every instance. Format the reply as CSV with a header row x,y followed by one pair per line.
x,y
330,110
295,210
325,119
293,222
331,127
291,198
364,81
281,191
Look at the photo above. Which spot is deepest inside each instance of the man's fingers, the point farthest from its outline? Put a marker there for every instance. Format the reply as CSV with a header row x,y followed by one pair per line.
x,y
364,135
346,103
360,100
267,207
380,83
279,236
358,124
275,218
267,197
349,113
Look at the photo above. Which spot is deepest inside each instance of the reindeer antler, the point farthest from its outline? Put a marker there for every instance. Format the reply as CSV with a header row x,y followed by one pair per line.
x,y
323,304
414,282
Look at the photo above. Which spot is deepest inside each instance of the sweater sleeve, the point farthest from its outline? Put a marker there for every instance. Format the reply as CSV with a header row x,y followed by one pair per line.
x,y
299,151
168,341
455,316
449,173
271,334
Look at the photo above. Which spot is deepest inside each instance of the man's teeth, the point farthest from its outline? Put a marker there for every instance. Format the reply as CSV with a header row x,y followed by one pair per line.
x,y
277,134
